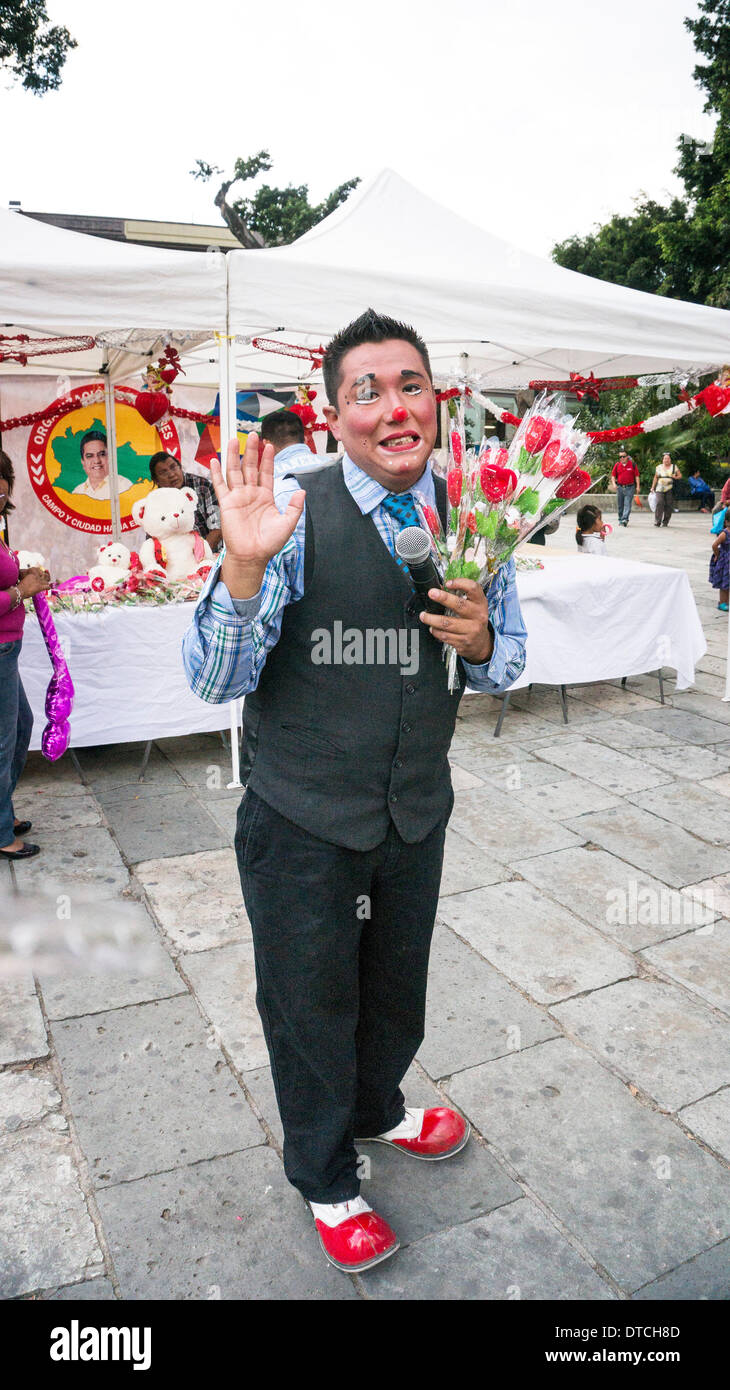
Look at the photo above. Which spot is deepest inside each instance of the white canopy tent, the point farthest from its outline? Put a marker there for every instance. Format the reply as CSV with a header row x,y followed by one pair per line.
x,y
55,283
516,316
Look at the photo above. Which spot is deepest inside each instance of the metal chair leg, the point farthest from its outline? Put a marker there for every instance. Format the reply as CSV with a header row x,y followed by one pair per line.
x,y
145,760
564,703
502,712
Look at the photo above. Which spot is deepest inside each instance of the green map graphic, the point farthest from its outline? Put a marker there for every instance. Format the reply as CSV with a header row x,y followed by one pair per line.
x,y
67,453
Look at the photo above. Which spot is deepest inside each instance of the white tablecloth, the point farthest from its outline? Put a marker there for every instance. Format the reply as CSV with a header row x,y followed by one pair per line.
x,y
591,618
588,619
126,666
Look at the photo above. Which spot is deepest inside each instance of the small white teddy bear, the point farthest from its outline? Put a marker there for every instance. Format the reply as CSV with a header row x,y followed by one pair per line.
x,y
30,559
173,548
112,567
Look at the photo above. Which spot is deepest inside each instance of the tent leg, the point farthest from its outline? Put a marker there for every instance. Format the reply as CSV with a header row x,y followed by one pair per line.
x,y
502,712
236,720
660,678
111,447
145,760
623,682
564,703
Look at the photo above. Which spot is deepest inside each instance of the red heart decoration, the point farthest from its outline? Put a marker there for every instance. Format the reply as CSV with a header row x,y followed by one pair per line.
x,y
152,405
168,374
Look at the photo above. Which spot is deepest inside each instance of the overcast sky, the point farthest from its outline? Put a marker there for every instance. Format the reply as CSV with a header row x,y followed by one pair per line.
x,y
534,119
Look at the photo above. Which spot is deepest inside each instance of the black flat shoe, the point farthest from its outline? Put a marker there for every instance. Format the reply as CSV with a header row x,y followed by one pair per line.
x,y
22,827
26,852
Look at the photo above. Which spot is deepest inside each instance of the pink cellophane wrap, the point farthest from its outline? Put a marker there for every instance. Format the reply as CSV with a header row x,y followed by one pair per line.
x,y
60,692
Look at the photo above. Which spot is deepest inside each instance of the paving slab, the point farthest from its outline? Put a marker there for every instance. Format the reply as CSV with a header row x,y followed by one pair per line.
x,y
231,1229
224,811
50,780
689,761
196,898
622,902
614,771
661,849
572,796
707,1276
206,769
167,824
82,856
90,1290
113,766
149,1090
50,814
680,725
639,1194
709,1119
493,821
713,894
513,1253
716,665
720,784
461,780
698,702
538,944
139,970
509,775
472,1013
46,1234
613,699
465,869
700,960
701,812
622,735
22,1030
224,983
669,1045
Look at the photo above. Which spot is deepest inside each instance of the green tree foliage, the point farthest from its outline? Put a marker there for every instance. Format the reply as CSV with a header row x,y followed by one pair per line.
x,y
271,216
681,249
31,48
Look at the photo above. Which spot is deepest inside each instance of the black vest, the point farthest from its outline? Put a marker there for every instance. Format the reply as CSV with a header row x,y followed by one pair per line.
x,y
340,747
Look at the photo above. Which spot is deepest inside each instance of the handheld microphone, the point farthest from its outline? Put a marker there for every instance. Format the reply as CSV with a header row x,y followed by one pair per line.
x,y
414,547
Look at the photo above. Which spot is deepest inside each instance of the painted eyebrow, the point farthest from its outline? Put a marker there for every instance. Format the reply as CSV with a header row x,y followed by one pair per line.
x,y
409,371
367,376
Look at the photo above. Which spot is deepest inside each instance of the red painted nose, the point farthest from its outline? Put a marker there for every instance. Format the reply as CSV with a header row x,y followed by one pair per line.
x,y
400,414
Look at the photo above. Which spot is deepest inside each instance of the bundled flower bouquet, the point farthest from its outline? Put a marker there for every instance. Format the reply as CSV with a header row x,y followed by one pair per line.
x,y
499,497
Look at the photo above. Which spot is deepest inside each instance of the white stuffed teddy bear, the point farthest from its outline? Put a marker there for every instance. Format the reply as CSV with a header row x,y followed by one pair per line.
x,y
112,567
173,548
30,559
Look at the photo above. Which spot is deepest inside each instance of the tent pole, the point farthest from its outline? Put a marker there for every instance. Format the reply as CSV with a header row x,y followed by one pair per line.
x,y
111,446
228,422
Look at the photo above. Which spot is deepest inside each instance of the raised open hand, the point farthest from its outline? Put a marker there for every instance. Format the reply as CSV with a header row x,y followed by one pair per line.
x,y
253,528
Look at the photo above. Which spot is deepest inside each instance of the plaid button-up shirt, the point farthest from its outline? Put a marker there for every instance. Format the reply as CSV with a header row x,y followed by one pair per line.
x,y
207,513
225,648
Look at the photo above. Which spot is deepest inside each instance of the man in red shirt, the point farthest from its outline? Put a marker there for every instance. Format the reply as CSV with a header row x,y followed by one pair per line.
x,y
626,476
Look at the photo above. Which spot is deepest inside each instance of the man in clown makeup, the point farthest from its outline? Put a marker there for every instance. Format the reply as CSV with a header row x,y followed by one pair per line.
x,y
340,832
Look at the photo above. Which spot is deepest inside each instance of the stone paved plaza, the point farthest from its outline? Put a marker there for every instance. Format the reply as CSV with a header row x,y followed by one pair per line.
x,y
578,1014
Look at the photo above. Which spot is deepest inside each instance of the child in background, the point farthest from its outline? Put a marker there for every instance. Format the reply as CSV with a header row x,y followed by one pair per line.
x,y
719,575
590,533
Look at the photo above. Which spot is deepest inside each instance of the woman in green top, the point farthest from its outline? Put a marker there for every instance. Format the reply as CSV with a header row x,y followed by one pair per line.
x,y
665,476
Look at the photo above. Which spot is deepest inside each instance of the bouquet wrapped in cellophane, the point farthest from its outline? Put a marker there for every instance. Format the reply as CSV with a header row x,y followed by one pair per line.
x,y
498,497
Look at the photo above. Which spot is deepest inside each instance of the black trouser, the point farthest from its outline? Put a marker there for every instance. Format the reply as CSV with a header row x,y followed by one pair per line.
x,y
341,940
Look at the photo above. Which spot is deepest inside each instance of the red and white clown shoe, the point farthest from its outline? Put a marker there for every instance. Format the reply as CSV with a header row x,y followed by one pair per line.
x,y
435,1133
352,1235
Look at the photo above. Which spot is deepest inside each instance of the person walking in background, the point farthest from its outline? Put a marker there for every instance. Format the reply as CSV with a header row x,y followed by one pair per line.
x,y
626,477
590,533
719,575
666,474
16,718
700,489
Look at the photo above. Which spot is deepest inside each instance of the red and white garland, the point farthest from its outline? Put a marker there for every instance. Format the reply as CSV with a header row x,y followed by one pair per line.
x,y
716,399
